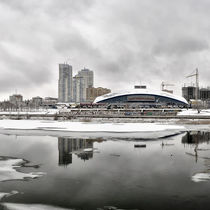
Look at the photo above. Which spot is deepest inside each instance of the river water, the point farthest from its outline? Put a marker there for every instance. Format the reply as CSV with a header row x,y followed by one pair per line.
x,y
45,172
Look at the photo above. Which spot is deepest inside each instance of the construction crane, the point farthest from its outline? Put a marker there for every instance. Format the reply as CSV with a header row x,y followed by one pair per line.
x,y
196,74
164,84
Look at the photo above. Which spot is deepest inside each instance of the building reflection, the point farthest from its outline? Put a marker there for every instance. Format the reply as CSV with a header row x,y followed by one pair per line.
x,y
83,148
193,139
196,137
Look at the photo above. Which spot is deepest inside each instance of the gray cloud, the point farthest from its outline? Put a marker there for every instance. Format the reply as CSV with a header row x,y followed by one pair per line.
x,y
122,41
180,46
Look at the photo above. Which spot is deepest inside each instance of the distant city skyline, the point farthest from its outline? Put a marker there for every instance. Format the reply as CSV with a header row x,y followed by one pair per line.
x,y
124,42
74,88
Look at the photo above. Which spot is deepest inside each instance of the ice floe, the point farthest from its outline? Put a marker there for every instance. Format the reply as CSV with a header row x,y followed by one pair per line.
x,y
112,208
201,177
3,194
17,206
8,170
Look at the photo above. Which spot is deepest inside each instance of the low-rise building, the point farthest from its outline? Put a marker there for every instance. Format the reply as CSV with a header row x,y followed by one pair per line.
x,y
16,99
49,101
37,101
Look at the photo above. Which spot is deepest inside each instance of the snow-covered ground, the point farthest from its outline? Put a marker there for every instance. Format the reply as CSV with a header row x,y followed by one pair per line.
x,y
32,112
85,126
194,112
52,112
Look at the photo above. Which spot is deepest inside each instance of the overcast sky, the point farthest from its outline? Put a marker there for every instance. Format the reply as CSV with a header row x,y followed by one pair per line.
x,y
125,42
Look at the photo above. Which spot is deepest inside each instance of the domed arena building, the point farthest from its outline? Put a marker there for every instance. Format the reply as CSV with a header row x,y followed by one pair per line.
x,y
143,97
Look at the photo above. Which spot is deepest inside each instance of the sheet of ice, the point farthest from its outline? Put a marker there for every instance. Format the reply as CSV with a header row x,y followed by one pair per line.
x,y
3,194
194,112
17,206
85,126
88,150
8,170
201,177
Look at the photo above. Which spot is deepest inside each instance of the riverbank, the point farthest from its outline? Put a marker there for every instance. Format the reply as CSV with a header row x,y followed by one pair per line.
x,y
108,114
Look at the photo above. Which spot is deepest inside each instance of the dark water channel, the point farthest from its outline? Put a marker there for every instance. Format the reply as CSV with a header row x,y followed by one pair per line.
x,y
93,174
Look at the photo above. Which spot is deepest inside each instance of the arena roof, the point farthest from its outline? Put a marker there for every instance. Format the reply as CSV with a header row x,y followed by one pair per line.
x,y
140,91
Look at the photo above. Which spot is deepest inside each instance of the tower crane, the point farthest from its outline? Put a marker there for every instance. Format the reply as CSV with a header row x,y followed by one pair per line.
x,y
196,74
164,84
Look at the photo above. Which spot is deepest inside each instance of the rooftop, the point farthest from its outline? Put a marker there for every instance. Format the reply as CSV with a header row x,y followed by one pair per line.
x,y
140,91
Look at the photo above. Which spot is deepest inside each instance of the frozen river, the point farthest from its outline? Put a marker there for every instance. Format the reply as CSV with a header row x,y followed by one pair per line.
x,y
46,172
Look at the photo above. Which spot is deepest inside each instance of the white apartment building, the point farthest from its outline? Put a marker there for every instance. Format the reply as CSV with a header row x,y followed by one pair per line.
x,y
65,85
83,80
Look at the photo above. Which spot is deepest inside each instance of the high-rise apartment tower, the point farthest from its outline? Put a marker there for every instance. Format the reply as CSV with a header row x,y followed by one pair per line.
x,y
83,80
65,83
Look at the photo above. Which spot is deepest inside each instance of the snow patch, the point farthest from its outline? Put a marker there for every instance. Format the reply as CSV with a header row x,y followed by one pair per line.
x,y
17,206
201,177
194,112
3,194
8,170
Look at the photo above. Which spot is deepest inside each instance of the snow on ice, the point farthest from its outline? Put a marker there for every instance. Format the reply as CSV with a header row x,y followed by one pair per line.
x,y
85,126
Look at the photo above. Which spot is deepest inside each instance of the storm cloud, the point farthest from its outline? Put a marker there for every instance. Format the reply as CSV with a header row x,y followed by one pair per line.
x,y
123,42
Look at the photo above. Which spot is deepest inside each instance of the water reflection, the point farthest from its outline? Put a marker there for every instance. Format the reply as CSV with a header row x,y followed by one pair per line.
x,y
121,176
83,148
196,137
